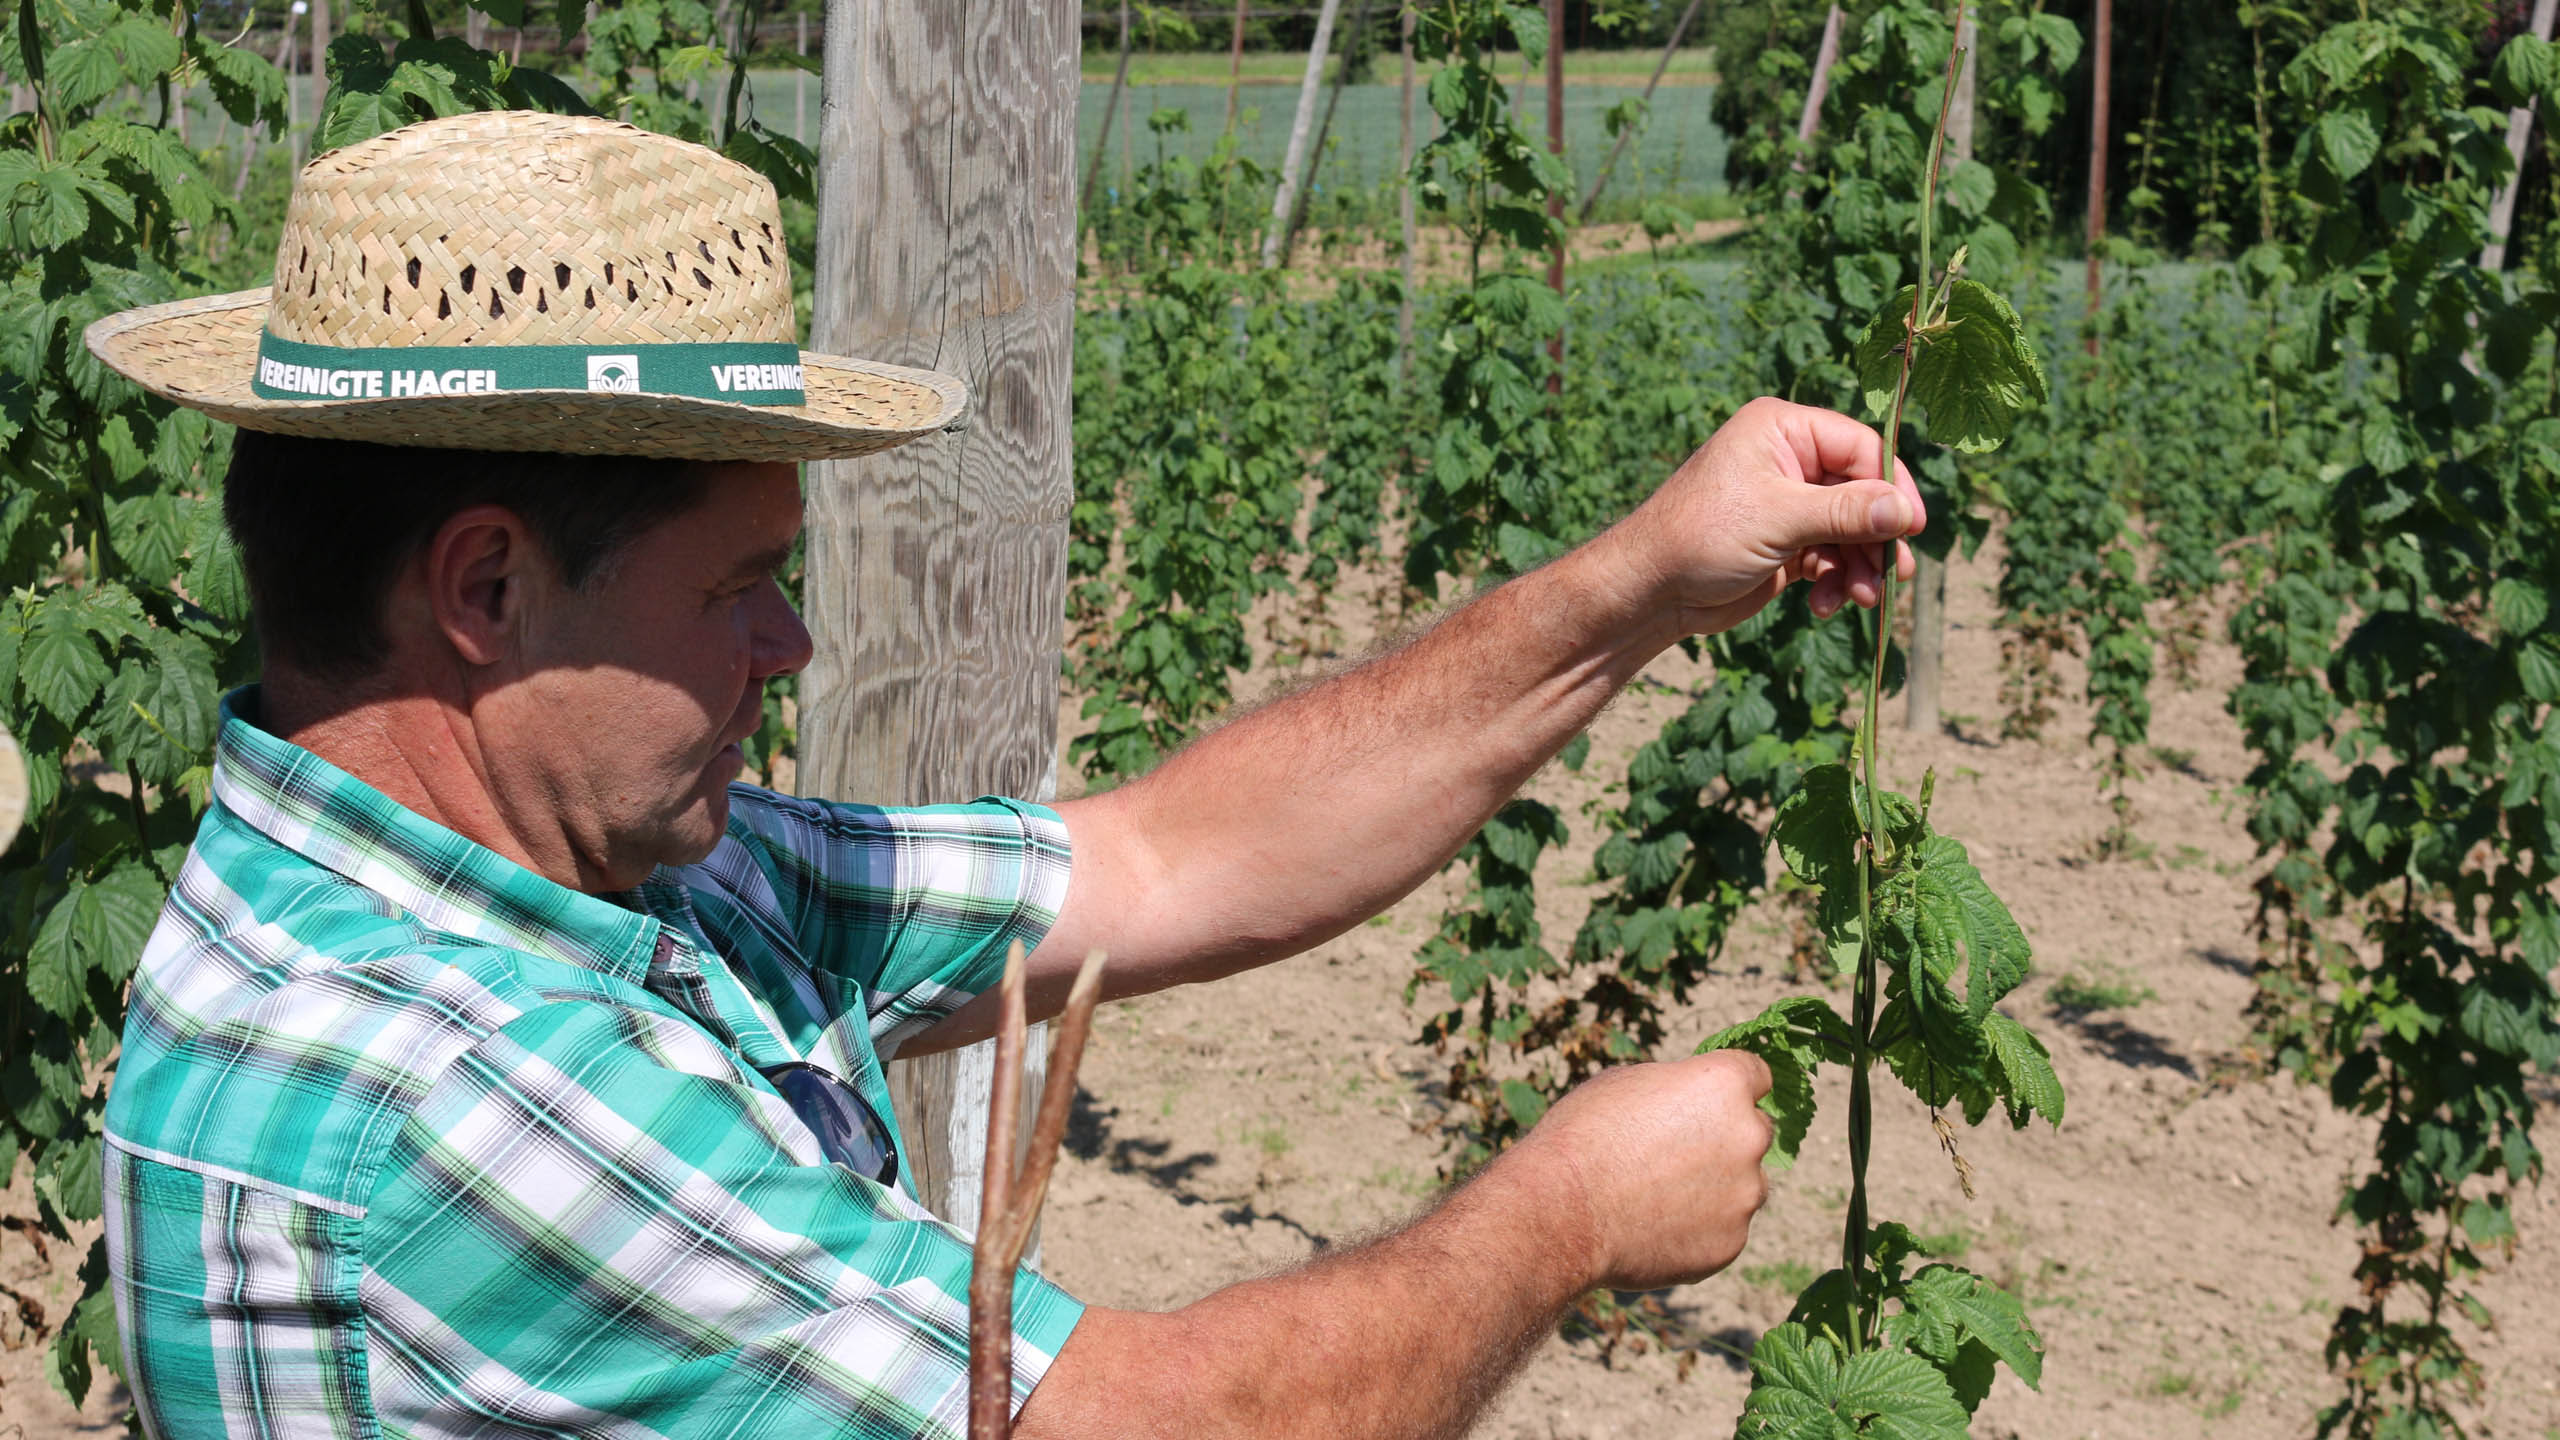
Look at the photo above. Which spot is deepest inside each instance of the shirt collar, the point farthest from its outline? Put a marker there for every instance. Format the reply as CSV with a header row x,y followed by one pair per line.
x,y
454,885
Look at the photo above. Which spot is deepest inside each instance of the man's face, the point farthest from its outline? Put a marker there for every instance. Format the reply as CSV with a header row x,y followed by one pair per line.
x,y
635,692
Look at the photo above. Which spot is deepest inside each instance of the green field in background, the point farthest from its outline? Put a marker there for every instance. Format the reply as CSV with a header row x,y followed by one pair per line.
x,y
1680,150
1620,67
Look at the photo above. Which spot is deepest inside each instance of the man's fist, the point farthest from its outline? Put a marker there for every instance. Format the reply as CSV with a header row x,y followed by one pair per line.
x,y
1666,1159
1781,492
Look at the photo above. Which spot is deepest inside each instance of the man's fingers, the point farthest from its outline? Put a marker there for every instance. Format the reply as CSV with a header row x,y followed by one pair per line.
x,y
1852,512
1753,1070
1830,444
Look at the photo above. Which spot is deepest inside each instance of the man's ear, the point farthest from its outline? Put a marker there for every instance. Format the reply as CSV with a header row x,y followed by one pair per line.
x,y
479,571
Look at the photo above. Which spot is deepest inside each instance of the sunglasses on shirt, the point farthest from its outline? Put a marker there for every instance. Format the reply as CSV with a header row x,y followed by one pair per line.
x,y
850,1133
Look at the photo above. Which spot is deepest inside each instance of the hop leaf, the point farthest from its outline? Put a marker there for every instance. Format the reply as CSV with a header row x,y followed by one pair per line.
x,y
1802,1388
1947,1310
1973,371
1959,921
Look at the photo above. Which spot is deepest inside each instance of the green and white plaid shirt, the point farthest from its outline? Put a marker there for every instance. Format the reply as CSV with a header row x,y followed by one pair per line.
x,y
409,1140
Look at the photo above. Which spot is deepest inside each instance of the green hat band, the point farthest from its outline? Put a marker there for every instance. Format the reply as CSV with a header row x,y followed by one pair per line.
x,y
758,373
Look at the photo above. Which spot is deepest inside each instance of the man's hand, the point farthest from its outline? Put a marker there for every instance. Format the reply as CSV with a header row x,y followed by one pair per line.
x,y
1781,492
1666,1159
1645,1176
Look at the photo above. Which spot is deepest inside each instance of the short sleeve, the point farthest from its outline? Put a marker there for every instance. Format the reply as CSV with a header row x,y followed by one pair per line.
x,y
915,905
595,1224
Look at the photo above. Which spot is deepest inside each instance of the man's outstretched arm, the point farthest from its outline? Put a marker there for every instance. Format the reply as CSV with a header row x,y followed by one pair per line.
x,y
1309,815
1646,1176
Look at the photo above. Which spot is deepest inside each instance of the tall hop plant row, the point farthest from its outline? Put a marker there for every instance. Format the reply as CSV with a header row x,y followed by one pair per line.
x,y
2416,879
1884,1343
122,605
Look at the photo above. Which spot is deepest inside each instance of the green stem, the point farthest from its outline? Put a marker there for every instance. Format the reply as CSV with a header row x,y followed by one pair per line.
x,y
1853,1240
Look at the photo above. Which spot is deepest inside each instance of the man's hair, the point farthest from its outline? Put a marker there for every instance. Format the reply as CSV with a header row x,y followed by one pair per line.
x,y
324,525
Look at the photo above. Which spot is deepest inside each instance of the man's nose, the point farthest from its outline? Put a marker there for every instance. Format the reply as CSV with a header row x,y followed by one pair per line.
x,y
782,645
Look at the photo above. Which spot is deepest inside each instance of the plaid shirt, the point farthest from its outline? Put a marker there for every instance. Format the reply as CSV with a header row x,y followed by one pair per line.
x,y
407,1139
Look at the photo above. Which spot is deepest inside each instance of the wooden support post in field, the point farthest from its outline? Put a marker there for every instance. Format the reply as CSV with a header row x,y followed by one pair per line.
x,y
936,585
1679,31
1235,68
1819,86
800,83
320,38
2502,210
1293,164
2101,82
1017,1181
1929,586
293,84
1324,128
1555,197
1404,203
1110,108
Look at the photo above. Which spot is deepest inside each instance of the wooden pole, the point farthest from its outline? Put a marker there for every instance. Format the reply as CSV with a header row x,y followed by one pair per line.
x,y
320,39
2101,82
1819,87
1017,1181
1315,152
1293,164
1235,68
2502,211
1102,137
936,584
1927,660
1555,197
800,84
293,83
1600,182
1404,204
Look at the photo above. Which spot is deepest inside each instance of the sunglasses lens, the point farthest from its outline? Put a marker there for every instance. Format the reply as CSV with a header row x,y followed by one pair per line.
x,y
848,1131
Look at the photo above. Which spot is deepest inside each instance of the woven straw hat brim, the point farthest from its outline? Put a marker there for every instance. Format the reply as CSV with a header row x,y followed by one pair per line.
x,y
203,354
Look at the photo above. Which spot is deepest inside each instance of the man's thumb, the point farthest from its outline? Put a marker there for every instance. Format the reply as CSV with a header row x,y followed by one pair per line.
x,y
1854,512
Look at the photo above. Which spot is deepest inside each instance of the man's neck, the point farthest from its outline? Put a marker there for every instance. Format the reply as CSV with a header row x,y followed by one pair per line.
x,y
421,750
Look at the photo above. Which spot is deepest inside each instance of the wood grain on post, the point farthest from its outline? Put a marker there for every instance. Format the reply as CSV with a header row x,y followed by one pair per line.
x,y
936,585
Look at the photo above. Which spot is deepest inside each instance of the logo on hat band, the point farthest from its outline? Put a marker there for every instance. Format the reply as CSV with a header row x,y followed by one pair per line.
x,y
743,373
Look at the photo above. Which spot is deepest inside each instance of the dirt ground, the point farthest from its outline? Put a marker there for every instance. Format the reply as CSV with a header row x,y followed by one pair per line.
x,y
2172,1237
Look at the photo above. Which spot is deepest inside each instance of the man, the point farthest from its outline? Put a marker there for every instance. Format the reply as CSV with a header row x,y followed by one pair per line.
x,y
499,1065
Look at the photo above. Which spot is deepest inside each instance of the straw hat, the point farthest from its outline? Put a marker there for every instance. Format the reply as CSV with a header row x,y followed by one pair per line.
x,y
517,281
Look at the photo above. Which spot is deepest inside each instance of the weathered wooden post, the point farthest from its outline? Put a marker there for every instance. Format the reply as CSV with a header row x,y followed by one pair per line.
x,y
937,572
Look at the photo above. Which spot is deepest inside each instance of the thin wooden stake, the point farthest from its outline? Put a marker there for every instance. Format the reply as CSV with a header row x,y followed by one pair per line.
x,y
2101,88
2502,210
1555,197
1235,69
1017,1184
1819,87
1679,32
